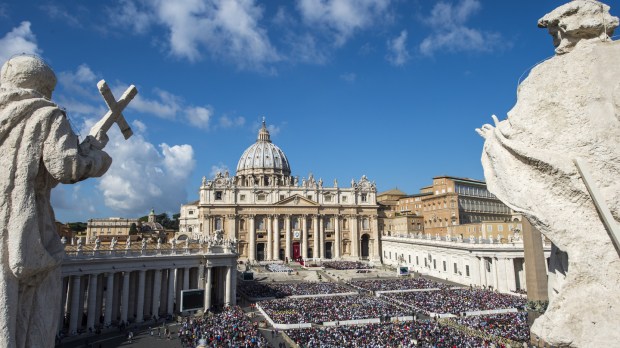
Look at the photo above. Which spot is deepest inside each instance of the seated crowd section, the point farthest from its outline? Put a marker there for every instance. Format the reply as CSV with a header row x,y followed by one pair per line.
x,y
280,290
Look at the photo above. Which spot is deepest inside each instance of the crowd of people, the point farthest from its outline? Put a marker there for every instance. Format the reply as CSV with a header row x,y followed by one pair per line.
x,y
327,309
229,328
280,290
342,265
403,334
457,301
396,284
512,326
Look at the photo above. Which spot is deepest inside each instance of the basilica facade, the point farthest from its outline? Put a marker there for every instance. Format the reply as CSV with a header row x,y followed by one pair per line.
x,y
275,216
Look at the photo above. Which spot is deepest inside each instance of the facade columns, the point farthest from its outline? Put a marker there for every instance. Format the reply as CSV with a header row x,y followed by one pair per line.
x,y
232,226
304,232
65,290
171,283
287,249
207,225
315,235
208,290
156,293
474,271
337,239
125,297
376,236
494,273
92,301
322,236
75,304
355,238
269,223
276,239
140,295
185,278
252,240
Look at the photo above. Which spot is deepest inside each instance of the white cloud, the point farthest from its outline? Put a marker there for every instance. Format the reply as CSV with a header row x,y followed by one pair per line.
x,y
128,14
273,129
199,116
228,122
19,40
397,49
142,177
219,168
342,17
450,32
56,12
226,29
82,81
3,11
349,77
165,104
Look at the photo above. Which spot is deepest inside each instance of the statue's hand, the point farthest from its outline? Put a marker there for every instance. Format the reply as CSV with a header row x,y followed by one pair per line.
x,y
486,130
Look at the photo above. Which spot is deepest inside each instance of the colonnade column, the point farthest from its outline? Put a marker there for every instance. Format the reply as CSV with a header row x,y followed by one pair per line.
x,y
276,239
355,238
185,278
109,298
140,307
228,295
252,240
494,273
171,282
125,297
269,238
315,235
483,272
337,239
304,236
287,248
156,293
92,301
510,274
322,236
63,302
75,304
208,291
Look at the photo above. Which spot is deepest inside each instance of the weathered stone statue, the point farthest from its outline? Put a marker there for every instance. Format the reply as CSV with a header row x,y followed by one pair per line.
x,y
567,117
39,150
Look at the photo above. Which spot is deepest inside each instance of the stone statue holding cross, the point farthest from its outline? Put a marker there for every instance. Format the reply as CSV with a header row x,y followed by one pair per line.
x,y
39,150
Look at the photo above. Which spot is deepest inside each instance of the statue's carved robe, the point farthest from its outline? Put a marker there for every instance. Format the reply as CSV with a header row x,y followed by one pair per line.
x,y
38,150
568,107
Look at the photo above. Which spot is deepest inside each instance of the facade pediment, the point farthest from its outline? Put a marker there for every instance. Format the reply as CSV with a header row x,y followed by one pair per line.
x,y
297,201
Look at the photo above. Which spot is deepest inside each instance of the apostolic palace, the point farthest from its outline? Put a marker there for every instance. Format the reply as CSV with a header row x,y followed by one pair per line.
x,y
276,216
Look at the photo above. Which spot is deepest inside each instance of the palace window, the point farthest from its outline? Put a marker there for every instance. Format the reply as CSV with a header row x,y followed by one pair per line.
x,y
242,197
456,269
191,212
261,223
467,270
328,198
309,197
344,199
218,195
261,197
364,197
281,197
444,266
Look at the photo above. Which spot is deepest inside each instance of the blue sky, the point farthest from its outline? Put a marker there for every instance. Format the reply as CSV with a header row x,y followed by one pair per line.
x,y
392,89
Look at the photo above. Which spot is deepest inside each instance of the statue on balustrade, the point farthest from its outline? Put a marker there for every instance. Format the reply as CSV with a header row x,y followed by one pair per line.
x,y
556,160
39,150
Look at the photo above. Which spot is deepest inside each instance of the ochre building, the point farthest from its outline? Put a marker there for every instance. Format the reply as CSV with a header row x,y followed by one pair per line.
x,y
276,216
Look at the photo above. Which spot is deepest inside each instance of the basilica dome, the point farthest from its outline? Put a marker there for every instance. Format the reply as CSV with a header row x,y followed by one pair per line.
x,y
263,157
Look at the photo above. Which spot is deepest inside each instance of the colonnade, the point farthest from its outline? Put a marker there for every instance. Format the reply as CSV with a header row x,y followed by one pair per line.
x,y
112,297
309,236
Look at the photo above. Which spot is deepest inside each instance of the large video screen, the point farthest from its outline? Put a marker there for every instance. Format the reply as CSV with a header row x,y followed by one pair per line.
x,y
192,300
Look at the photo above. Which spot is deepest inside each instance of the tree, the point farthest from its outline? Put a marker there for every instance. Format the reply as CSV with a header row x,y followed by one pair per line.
x,y
133,229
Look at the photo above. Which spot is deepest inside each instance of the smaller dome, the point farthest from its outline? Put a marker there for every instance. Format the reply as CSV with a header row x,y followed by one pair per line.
x,y
263,157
